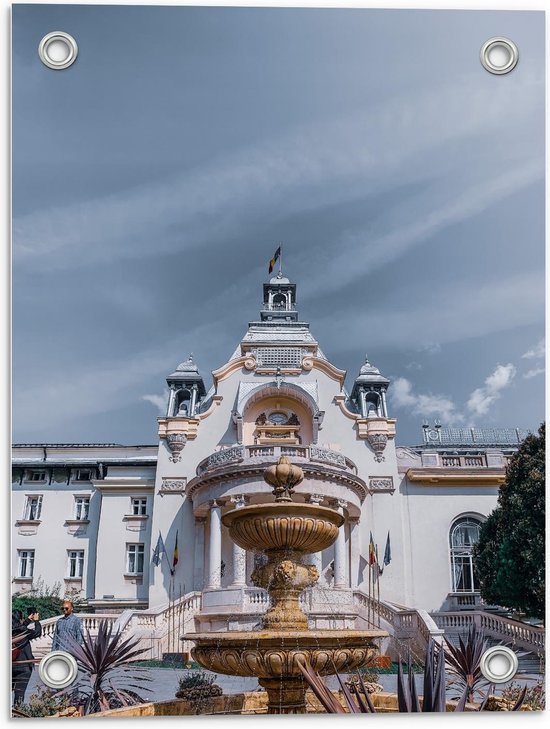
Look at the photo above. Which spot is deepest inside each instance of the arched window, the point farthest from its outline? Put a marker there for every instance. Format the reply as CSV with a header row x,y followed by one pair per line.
x,y
279,301
464,534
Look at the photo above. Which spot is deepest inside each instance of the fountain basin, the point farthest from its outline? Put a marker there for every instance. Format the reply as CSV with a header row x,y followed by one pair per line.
x,y
283,527
269,654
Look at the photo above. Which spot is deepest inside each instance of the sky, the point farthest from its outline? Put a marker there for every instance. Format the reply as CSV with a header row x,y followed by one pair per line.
x,y
154,179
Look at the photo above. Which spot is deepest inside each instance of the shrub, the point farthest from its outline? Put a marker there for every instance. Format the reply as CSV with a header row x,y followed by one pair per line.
x,y
45,702
198,688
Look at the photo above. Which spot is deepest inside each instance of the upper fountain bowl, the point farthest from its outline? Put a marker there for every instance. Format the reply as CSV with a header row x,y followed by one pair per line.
x,y
283,526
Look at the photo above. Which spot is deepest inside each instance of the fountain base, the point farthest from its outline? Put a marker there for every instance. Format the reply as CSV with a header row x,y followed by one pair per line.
x,y
274,656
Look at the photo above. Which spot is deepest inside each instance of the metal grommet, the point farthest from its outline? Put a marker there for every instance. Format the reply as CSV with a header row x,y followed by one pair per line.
x,y
58,50
499,55
499,664
58,669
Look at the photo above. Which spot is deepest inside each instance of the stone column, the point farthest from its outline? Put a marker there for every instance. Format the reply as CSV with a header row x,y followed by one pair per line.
x,y
170,410
363,403
316,558
198,566
239,554
384,405
215,551
193,404
355,550
340,561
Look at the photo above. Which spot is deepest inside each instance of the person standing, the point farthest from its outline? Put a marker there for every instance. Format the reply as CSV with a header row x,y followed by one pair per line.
x,y
67,629
23,662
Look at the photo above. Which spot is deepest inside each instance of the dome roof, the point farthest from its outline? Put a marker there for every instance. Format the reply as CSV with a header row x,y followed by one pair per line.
x,y
368,368
279,280
187,366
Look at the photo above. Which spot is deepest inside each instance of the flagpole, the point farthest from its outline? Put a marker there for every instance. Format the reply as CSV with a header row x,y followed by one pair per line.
x,y
378,584
281,261
370,580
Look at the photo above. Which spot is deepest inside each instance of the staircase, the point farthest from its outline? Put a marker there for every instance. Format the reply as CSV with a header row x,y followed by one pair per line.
x,y
527,640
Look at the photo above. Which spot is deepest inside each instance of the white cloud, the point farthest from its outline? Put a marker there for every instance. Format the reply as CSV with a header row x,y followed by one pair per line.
x,y
159,401
533,373
482,398
536,352
402,396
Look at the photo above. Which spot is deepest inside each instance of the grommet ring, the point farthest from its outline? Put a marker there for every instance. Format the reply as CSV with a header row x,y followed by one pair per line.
x,y
58,669
499,55
499,664
58,50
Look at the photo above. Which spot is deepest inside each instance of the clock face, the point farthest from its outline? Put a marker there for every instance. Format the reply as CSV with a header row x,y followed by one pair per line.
x,y
277,418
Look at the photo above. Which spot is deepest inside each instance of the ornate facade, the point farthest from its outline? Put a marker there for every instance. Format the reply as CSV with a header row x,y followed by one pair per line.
x,y
90,516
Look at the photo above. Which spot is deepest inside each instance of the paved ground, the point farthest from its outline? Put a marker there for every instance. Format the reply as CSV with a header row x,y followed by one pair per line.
x,y
164,682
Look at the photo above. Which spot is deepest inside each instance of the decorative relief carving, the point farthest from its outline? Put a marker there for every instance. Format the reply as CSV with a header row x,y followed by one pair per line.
x,y
176,443
307,364
223,457
250,363
377,442
324,455
381,484
173,486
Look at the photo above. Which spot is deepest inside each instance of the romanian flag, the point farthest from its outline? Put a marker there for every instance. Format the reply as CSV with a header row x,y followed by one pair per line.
x,y
275,258
372,551
176,556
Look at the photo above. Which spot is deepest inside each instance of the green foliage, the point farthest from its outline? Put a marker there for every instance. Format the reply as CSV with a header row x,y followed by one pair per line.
x,y
509,558
45,702
48,600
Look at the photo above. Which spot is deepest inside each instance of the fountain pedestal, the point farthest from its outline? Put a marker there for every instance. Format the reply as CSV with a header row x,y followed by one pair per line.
x,y
285,532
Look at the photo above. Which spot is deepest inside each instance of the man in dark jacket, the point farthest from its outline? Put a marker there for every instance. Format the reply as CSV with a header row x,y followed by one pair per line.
x,y
24,661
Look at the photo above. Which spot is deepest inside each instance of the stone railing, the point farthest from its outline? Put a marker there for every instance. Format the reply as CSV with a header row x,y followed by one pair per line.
x,y
153,626
410,628
463,461
240,454
90,623
254,596
524,636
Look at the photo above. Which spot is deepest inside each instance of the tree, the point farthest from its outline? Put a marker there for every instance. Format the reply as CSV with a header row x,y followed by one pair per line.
x,y
509,558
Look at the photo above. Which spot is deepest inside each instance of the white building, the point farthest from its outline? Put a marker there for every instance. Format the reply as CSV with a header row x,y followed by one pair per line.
x,y
89,516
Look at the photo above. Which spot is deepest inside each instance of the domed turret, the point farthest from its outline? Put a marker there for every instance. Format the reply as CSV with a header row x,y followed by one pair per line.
x,y
369,391
186,389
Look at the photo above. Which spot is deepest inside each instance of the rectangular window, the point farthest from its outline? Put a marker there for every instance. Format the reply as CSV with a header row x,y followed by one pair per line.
x,y
134,558
36,476
139,507
26,562
81,507
76,563
83,474
33,508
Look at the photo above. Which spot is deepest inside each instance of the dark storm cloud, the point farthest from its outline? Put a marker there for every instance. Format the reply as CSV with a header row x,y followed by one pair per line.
x,y
154,179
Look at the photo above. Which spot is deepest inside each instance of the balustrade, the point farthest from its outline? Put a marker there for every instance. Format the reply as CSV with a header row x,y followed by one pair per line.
x,y
238,454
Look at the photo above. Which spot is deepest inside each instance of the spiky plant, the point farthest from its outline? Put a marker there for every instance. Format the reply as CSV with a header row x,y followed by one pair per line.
x,y
356,699
107,680
464,661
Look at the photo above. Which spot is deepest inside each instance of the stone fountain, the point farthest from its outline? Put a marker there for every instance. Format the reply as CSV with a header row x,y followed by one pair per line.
x,y
285,532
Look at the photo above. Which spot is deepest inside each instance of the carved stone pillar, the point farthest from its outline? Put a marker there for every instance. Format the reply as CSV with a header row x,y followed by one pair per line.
x,y
198,566
316,558
355,550
340,561
215,544
239,554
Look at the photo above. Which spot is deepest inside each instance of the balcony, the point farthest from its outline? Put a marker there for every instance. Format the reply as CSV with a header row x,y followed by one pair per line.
x,y
258,454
